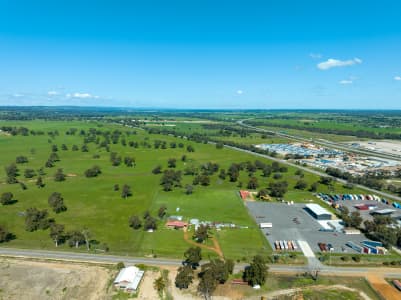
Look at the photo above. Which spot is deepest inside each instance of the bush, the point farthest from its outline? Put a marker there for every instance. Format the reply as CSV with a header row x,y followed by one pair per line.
x,y
120,266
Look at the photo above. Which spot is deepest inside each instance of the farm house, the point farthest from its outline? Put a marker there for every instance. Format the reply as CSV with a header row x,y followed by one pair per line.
x,y
128,279
176,224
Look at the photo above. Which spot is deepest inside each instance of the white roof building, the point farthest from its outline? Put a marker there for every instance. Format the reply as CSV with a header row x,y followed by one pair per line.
x,y
129,278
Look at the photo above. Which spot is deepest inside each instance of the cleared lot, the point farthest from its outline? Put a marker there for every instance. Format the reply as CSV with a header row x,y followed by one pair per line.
x,y
24,279
292,222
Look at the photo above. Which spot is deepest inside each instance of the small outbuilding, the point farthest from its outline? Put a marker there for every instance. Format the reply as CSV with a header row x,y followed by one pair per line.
x,y
318,212
128,279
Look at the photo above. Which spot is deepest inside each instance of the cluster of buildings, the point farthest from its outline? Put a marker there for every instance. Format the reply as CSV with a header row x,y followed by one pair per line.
x,y
305,150
176,222
322,158
356,165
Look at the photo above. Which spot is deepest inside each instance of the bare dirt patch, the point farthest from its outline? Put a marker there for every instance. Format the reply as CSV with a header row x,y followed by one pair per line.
x,y
383,287
23,279
176,293
146,289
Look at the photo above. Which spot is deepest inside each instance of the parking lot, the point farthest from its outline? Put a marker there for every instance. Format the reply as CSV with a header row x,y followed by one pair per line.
x,y
292,222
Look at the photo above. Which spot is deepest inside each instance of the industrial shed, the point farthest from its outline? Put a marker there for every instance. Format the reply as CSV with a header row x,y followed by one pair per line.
x,y
318,212
383,212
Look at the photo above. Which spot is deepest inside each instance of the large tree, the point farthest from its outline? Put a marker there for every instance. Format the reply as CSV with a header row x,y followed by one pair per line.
x,y
57,233
201,234
59,176
193,256
278,189
56,202
87,234
126,191
135,222
37,219
256,272
5,235
207,284
75,238
184,277
7,198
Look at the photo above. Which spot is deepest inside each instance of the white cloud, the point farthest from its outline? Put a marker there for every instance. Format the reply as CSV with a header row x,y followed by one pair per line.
x,y
52,93
240,92
398,78
345,82
82,96
18,95
315,55
332,63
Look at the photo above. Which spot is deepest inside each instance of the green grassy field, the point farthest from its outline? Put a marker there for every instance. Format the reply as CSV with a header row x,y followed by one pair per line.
x,y
93,203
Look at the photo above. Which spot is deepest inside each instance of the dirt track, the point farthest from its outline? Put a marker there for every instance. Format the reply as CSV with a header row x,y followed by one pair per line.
x,y
382,287
216,247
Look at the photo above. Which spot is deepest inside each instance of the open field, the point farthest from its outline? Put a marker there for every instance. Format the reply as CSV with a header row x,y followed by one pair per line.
x,y
24,279
92,202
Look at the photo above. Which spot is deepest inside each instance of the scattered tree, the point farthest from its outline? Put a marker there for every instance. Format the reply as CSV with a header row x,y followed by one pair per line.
x,y
7,198
37,219
59,176
93,172
56,202
21,159
172,163
126,191
157,169
75,238
301,184
57,233
201,234
253,183
162,211
189,189
39,182
135,222
5,235
29,173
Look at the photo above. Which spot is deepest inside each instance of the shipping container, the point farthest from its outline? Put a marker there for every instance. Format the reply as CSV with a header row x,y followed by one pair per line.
x,y
372,243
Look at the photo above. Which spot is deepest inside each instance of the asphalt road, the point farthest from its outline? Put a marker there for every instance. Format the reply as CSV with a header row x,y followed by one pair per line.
x,y
111,259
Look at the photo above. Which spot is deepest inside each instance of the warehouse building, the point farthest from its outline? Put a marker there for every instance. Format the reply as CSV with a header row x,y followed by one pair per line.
x,y
318,212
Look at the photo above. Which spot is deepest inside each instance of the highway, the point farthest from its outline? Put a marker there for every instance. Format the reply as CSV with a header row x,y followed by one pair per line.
x,y
113,259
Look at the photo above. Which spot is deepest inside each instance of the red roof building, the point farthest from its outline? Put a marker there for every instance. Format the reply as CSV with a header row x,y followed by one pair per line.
x,y
176,224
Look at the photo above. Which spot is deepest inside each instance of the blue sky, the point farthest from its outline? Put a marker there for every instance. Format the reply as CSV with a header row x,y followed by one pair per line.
x,y
201,54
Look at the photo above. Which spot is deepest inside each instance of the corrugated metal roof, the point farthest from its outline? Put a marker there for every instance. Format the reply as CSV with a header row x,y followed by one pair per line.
x,y
317,209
